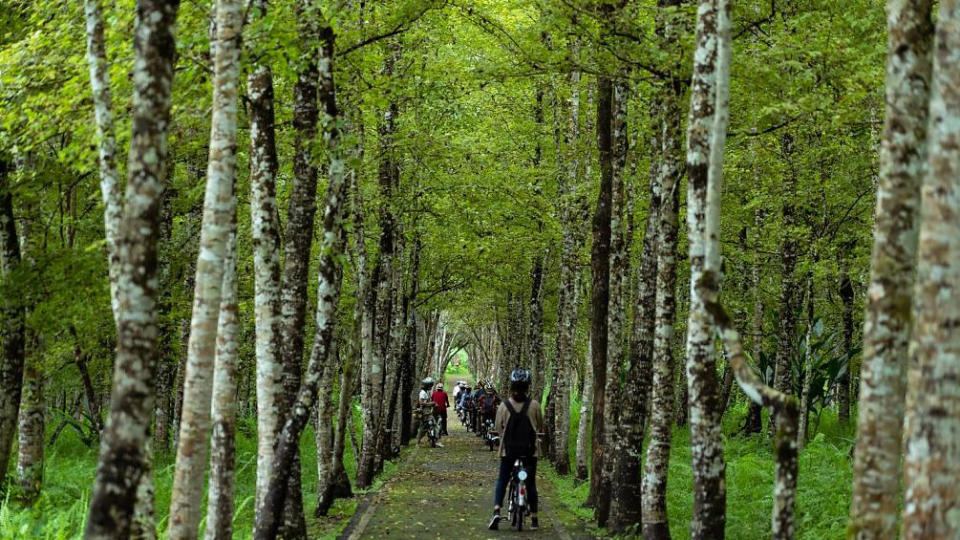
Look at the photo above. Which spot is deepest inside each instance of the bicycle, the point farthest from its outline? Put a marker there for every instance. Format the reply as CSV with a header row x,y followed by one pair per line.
x,y
518,505
491,437
433,430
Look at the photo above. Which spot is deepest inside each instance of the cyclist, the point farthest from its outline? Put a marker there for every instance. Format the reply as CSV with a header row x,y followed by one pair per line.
x,y
441,404
519,421
477,402
425,407
457,388
490,403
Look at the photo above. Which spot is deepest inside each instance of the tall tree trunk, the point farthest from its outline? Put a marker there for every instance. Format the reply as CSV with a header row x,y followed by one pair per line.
x,y
14,329
328,294
113,210
31,431
583,439
654,485
123,459
110,188
301,210
571,205
181,370
753,423
220,496
371,375
887,318
802,434
344,429
219,216
381,299
625,507
931,462
391,345
266,261
703,394
847,295
537,360
407,360
600,266
783,406
324,435
618,282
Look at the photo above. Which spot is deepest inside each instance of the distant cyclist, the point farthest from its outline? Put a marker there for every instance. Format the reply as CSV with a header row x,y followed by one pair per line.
x,y
519,420
440,405
425,407
478,395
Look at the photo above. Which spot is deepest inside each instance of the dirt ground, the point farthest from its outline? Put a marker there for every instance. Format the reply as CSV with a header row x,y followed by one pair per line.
x,y
447,493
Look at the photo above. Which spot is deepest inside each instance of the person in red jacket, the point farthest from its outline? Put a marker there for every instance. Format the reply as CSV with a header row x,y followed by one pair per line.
x,y
440,405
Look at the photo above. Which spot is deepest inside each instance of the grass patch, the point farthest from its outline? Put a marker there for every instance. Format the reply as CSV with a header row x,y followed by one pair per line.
x,y
60,512
823,494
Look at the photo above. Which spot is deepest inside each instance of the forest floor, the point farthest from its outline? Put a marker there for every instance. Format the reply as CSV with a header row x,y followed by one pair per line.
x,y
447,492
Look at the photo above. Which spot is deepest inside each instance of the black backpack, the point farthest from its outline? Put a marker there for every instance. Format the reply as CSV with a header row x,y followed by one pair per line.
x,y
519,439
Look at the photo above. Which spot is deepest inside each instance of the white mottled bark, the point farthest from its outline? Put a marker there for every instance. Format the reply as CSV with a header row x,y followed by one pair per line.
x,y
107,147
583,431
656,465
618,283
886,331
704,166
266,261
111,194
223,413
569,274
31,432
328,295
324,435
783,406
124,454
219,215
931,463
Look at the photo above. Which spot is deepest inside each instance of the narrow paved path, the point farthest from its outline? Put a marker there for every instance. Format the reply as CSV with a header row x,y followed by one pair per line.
x,y
446,493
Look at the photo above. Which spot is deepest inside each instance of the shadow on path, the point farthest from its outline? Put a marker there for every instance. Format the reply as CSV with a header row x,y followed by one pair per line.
x,y
446,493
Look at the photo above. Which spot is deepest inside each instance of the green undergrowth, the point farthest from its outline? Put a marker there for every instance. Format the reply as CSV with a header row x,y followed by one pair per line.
x,y
823,494
60,512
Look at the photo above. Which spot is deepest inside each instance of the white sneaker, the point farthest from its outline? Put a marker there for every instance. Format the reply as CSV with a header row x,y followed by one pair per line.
x,y
439,444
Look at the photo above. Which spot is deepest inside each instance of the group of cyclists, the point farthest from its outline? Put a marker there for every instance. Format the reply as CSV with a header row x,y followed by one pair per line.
x,y
517,423
432,410
477,407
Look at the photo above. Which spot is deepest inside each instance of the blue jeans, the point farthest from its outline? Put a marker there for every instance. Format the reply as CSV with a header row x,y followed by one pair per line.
x,y
503,479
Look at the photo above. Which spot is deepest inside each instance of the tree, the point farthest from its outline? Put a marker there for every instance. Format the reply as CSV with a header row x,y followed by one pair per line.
x,y
220,509
783,406
328,294
14,331
707,113
600,290
266,258
122,460
219,218
931,461
571,206
888,311
654,485
618,277
626,497
110,188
